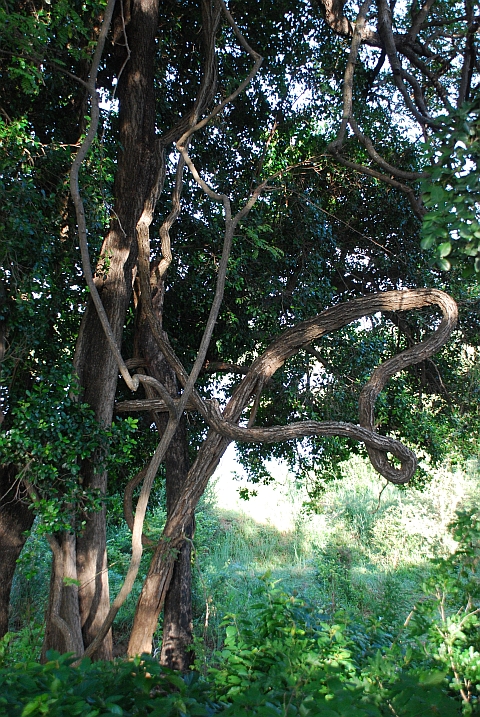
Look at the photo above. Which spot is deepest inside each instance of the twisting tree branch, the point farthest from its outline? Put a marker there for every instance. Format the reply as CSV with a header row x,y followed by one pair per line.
x,y
423,85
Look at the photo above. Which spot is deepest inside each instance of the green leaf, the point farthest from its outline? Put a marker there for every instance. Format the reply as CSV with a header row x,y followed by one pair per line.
x,y
444,264
444,249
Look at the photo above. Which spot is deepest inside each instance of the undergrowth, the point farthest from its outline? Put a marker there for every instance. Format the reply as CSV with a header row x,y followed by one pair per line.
x,y
286,658
368,607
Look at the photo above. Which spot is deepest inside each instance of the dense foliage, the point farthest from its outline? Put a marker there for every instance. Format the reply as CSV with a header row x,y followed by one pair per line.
x,y
288,658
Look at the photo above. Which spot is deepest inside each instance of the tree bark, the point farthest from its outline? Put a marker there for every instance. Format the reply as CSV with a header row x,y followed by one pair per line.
x,y
177,635
63,631
15,520
137,180
160,573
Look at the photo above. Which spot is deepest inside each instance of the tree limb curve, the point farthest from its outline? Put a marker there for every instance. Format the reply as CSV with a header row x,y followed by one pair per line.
x,y
296,338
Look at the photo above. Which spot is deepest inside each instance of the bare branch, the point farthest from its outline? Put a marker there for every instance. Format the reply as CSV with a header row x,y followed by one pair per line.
x,y
226,429
386,33
416,204
419,19
131,382
149,404
348,78
127,505
216,366
294,431
372,152
144,277
469,55
427,73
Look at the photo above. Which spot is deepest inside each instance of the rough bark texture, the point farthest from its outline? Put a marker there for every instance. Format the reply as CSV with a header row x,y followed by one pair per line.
x,y
177,635
15,520
63,626
137,179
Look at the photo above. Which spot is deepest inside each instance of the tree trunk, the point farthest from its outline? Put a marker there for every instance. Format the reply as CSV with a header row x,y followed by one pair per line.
x,y
137,181
63,631
177,637
15,520
177,623
159,576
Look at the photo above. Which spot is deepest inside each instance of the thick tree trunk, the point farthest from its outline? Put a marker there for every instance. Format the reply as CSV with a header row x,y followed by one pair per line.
x,y
177,637
15,519
63,631
137,181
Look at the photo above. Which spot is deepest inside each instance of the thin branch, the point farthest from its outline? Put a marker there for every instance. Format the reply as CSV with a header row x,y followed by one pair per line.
x,y
43,60
386,33
419,19
131,382
373,154
258,59
416,204
348,77
426,72
127,505
216,366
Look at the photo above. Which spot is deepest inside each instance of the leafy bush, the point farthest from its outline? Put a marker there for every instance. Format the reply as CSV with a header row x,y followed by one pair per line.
x,y
285,659
131,689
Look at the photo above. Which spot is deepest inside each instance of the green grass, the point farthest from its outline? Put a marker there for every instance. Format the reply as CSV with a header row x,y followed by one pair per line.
x,y
366,551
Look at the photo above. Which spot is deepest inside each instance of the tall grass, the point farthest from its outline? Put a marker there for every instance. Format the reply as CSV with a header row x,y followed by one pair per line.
x,y
364,551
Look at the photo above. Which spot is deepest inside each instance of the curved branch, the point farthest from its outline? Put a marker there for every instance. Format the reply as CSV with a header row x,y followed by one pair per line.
x,y
300,337
289,343
349,73
373,154
415,203
127,505
386,33
419,19
279,434
263,368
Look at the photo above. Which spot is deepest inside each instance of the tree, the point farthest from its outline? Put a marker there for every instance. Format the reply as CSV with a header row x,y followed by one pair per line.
x,y
151,58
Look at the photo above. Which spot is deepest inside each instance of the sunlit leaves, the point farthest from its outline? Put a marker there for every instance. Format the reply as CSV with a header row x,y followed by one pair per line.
x,y
451,227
